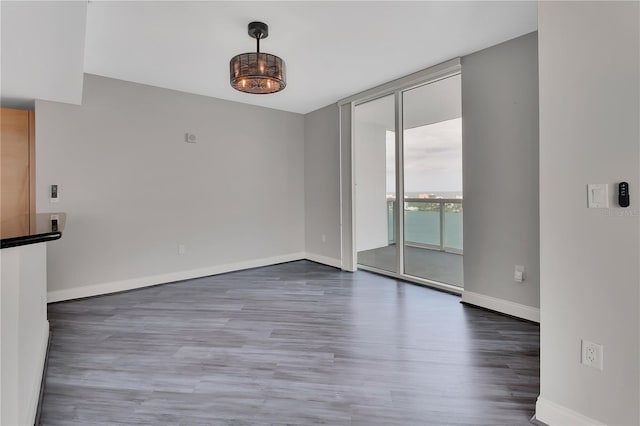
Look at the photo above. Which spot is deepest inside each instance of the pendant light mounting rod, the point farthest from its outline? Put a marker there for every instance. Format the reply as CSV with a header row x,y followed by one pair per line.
x,y
258,30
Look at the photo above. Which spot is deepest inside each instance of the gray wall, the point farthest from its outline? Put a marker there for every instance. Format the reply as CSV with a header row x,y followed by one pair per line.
x,y
500,125
500,170
133,189
590,278
322,184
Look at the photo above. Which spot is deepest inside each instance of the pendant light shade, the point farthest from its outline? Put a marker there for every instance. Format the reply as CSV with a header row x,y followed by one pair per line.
x,y
257,72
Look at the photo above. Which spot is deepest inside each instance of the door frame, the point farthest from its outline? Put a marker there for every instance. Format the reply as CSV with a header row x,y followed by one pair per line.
x,y
346,112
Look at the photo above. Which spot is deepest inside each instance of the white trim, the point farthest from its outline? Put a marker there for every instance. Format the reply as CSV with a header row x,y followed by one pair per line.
x,y
500,305
398,212
329,261
133,283
554,414
32,402
353,266
347,231
340,178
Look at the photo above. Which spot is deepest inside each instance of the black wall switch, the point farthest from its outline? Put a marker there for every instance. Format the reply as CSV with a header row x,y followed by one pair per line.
x,y
623,194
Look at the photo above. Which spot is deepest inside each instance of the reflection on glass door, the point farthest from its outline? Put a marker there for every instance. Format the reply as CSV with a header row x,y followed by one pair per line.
x,y
432,165
375,183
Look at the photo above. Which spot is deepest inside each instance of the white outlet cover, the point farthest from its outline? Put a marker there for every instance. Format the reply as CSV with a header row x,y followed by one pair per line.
x,y
592,354
598,195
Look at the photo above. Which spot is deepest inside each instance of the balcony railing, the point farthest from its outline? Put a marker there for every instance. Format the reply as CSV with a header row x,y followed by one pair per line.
x,y
433,223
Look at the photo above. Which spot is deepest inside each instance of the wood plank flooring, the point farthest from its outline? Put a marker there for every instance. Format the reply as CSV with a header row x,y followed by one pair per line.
x,y
291,344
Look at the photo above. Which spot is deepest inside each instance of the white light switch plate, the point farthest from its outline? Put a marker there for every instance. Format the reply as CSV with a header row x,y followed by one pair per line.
x,y
598,195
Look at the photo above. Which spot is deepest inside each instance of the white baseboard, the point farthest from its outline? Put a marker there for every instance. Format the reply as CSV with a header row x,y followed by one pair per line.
x,y
32,402
500,305
554,414
329,261
131,284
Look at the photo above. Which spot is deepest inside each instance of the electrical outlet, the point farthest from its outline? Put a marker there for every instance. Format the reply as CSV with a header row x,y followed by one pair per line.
x,y
518,274
182,249
592,354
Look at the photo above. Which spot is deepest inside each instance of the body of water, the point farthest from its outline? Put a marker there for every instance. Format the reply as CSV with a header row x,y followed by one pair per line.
x,y
423,227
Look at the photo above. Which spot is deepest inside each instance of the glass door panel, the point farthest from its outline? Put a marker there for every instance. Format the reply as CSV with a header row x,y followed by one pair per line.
x,y
432,164
375,183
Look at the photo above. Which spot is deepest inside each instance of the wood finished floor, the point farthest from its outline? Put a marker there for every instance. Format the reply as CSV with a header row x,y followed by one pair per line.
x,y
292,344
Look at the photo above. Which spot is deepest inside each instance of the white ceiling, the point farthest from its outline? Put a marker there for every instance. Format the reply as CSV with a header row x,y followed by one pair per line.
x,y
332,48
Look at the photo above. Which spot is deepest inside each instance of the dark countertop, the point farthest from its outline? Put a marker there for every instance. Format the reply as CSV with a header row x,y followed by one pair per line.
x,y
47,229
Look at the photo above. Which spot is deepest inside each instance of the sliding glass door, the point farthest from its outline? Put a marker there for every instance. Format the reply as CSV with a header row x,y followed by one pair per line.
x,y
432,166
375,183
408,185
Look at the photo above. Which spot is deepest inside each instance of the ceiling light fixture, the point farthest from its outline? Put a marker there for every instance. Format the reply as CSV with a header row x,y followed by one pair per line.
x,y
258,73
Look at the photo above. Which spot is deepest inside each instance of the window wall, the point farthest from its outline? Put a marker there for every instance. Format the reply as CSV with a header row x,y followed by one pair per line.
x,y
409,182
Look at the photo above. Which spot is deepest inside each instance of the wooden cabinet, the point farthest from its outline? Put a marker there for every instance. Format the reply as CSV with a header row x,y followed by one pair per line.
x,y
17,172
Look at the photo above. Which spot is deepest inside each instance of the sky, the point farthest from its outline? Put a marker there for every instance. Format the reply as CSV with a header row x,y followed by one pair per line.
x,y
432,158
